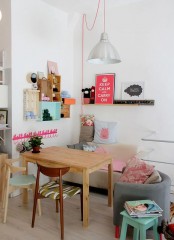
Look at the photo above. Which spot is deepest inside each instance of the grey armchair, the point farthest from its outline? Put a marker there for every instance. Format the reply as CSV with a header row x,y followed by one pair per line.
x,y
159,192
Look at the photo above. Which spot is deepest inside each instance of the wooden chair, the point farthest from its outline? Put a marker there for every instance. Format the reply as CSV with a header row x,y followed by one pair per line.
x,y
14,181
55,190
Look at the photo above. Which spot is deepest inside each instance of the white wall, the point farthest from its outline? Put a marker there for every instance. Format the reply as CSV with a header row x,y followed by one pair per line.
x,y
40,33
143,34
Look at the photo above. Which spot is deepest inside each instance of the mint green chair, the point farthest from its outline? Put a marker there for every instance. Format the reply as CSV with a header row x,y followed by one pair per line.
x,y
140,226
15,178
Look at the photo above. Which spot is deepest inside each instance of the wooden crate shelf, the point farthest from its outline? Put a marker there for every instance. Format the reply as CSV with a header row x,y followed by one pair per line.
x,y
65,111
54,92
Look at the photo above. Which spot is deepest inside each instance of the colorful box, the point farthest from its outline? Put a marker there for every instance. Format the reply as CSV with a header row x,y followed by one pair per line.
x,y
69,101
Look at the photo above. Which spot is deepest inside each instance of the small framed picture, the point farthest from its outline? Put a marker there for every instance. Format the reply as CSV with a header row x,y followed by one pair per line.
x,y
40,75
132,91
3,116
53,68
104,88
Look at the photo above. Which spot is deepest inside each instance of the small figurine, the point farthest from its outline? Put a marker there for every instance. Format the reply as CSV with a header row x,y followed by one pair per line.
x,y
34,81
92,94
65,94
86,95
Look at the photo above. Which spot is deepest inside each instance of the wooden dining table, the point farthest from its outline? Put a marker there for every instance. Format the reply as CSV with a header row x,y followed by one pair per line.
x,y
79,162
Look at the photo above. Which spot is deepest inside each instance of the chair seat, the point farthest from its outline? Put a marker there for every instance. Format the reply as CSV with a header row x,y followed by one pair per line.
x,y
51,190
22,180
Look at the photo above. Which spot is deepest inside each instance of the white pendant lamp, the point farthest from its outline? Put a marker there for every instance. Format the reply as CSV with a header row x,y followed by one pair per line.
x,y
0,15
104,52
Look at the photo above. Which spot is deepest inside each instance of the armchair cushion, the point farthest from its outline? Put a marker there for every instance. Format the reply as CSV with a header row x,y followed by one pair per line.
x,y
154,178
137,171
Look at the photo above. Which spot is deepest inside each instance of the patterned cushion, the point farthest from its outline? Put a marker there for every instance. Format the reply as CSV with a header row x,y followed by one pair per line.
x,y
87,120
87,128
137,171
89,148
78,146
51,190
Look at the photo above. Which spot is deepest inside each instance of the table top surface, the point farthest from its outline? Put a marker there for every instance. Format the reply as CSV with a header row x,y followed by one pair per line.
x,y
69,157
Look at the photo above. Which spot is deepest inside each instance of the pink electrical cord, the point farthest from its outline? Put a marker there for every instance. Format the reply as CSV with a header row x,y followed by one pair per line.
x,y
84,21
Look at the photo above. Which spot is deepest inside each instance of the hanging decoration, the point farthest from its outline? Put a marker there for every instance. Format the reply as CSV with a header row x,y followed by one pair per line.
x,y
44,133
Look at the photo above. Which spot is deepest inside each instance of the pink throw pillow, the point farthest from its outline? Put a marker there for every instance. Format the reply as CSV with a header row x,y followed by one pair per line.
x,y
118,165
100,150
137,171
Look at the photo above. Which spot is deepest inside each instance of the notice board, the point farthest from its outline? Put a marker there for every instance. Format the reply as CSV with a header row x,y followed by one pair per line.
x,y
104,88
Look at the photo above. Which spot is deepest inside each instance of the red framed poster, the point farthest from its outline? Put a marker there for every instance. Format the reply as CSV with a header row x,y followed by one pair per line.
x,y
104,88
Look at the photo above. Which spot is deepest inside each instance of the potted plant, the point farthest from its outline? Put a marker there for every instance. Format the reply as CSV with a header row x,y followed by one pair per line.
x,y
35,142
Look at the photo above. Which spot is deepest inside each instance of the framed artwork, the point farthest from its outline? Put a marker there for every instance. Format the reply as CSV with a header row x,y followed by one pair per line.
x,y
104,88
132,91
53,68
3,116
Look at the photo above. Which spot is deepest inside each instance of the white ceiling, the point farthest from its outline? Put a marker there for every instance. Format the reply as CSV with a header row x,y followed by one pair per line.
x,y
85,6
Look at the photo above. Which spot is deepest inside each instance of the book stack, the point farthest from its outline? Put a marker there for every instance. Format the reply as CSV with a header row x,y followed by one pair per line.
x,y
143,208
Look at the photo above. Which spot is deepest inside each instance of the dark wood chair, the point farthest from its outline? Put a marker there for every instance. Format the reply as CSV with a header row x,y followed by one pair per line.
x,y
55,190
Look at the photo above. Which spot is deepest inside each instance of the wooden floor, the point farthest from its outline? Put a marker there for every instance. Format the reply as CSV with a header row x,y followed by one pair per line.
x,y
18,226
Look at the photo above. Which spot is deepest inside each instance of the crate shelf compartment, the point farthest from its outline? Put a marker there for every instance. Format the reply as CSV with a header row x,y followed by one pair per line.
x,y
31,100
49,111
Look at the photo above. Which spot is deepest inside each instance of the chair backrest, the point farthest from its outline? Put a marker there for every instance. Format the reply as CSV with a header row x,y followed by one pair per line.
x,y
13,169
51,170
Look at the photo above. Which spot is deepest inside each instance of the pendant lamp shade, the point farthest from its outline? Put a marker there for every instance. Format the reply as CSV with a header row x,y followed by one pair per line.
x,y
104,52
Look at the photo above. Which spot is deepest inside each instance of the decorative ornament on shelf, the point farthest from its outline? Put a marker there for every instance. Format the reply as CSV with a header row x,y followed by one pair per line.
x,y
24,146
86,95
65,94
34,81
92,99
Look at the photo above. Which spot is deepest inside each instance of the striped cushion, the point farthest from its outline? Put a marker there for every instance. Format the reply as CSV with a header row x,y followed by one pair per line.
x,y
51,190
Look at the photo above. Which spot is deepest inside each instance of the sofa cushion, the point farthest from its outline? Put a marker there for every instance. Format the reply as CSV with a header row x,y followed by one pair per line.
x,y
86,133
87,128
154,178
89,148
77,146
118,165
136,171
105,132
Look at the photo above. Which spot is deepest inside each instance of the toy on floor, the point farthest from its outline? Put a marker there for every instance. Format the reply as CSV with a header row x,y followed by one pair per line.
x,y
167,229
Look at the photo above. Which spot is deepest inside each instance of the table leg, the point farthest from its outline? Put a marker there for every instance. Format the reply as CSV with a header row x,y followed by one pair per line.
x,y
25,192
110,185
85,198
